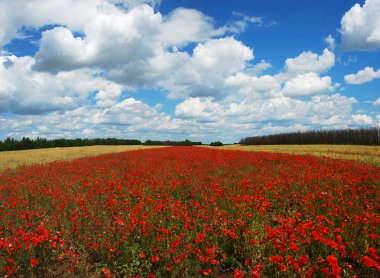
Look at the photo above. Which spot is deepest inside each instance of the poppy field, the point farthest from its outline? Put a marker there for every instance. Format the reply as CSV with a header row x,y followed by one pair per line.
x,y
191,212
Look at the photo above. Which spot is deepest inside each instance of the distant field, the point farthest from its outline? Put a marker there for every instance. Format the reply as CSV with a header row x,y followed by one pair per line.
x,y
365,154
13,159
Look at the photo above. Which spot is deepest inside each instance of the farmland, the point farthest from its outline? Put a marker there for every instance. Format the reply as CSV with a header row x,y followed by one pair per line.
x,y
12,159
191,212
363,154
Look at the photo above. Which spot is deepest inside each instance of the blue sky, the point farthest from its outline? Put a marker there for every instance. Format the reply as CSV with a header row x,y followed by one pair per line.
x,y
200,70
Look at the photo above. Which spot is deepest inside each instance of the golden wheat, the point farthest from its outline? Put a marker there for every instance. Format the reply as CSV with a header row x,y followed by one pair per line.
x,y
363,154
13,159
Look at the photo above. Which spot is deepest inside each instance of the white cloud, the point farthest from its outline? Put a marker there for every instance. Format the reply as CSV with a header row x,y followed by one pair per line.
x,y
360,26
320,111
265,86
37,13
203,73
133,3
362,76
311,62
202,109
138,56
108,95
330,40
300,78
127,112
197,118
59,49
128,32
259,68
242,21
83,78
70,13
362,119
25,91
183,26
377,102
226,56
306,84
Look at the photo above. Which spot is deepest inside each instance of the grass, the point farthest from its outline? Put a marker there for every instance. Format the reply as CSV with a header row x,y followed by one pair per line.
x,y
12,159
363,154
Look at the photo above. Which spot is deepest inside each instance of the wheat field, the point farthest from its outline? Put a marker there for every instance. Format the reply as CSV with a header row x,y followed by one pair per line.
x,y
12,159
363,154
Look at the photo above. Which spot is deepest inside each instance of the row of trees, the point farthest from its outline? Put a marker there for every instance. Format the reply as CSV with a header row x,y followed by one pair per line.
x,y
364,136
171,143
25,143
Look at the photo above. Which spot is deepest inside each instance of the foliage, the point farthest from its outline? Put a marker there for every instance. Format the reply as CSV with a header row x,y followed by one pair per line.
x,y
217,143
25,143
171,143
369,136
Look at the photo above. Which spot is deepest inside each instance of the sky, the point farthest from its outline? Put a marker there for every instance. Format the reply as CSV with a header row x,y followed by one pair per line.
x,y
203,70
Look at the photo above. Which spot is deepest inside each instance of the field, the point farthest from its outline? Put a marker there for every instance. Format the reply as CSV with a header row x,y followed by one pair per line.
x,y
191,212
13,159
363,154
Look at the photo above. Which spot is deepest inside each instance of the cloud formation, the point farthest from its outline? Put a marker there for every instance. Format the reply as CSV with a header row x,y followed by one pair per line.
x,y
311,62
24,91
87,75
362,76
360,27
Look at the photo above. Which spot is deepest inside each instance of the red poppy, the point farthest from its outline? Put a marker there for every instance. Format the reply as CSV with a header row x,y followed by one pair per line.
x,y
207,271
34,262
155,259
106,272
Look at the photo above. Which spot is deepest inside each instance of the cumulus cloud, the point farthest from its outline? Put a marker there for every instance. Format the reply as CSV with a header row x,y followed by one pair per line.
x,y
38,13
377,102
203,109
321,111
225,56
362,76
75,15
87,68
306,84
311,62
144,51
129,118
265,86
25,91
176,30
127,112
259,68
197,118
128,32
362,119
203,73
301,77
360,27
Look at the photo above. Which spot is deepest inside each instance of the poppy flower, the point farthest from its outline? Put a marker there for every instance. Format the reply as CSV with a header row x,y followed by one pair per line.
x,y
34,262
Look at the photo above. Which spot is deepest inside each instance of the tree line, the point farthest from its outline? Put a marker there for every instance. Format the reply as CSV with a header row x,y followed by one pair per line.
x,y
26,143
171,143
363,136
